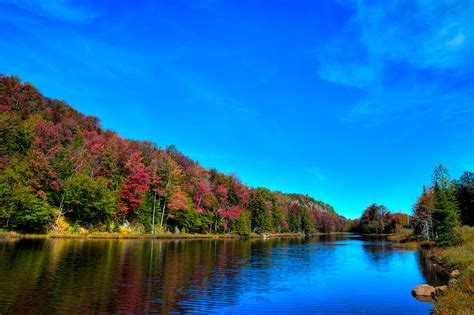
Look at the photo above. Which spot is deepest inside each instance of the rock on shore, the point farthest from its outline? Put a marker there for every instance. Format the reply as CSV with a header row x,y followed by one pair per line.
x,y
423,290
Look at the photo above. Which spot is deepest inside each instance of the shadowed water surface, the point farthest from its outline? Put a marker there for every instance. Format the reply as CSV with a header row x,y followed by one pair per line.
x,y
327,274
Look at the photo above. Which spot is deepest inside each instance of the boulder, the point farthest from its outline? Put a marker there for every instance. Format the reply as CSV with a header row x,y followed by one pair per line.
x,y
454,273
423,290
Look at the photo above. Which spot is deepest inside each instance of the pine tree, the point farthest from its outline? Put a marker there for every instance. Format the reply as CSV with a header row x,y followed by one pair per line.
x,y
465,195
243,224
307,225
446,210
262,221
293,217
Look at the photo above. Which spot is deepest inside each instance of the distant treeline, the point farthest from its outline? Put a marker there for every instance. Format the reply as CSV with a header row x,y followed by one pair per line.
x,y
440,208
443,206
60,171
377,219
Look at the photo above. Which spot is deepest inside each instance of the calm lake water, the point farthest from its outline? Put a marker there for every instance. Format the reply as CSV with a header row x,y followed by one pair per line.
x,y
341,274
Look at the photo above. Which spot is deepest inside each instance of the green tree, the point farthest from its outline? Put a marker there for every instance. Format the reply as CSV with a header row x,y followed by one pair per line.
x,y
89,200
32,213
243,224
307,225
446,210
465,195
189,220
258,207
20,205
294,218
15,137
277,217
144,212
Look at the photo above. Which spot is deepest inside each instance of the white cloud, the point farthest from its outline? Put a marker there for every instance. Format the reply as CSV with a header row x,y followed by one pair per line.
x,y
432,42
63,10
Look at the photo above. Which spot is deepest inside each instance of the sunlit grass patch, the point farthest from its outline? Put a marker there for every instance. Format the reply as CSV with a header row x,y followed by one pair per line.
x,y
459,299
10,234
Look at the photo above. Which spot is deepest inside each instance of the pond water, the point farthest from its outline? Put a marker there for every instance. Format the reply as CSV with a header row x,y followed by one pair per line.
x,y
337,274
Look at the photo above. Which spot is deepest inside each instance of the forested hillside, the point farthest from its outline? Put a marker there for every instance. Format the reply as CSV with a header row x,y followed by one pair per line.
x,y
60,171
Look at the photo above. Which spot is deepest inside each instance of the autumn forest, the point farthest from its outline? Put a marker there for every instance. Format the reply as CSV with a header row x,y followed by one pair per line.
x,y
61,172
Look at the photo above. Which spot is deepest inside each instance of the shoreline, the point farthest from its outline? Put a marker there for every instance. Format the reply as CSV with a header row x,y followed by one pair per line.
x,y
454,297
458,261
159,236
146,236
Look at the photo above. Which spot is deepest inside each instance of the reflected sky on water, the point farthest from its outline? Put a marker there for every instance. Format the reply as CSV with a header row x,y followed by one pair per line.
x,y
325,274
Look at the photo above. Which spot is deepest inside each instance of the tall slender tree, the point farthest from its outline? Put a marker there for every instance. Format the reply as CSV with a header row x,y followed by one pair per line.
x,y
446,210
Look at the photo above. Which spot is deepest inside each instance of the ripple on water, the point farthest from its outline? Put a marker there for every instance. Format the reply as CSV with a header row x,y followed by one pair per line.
x,y
341,274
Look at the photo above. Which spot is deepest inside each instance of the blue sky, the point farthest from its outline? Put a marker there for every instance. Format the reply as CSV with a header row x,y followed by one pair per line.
x,y
351,102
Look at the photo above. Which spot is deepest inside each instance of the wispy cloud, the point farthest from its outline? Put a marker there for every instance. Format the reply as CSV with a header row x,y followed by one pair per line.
x,y
63,10
404,56
92,57
203,90
88,55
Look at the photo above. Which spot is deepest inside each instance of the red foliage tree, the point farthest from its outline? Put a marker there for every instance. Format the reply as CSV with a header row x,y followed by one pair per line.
x,y
136,183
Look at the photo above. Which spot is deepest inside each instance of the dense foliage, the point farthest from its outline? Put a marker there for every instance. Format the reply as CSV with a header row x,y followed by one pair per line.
x,y
59,170
443,206
377,219
465,196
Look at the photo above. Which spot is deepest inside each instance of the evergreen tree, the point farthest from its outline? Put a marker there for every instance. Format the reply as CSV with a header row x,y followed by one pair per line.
x,y
294,218
243,224
465,195
258,208
307,225
446,210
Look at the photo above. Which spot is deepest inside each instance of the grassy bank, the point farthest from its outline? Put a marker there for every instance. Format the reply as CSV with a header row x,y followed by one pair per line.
x,y
10,235
459,297
404,240
97,235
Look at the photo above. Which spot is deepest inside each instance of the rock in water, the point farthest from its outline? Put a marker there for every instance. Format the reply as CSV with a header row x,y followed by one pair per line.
x,y
423,290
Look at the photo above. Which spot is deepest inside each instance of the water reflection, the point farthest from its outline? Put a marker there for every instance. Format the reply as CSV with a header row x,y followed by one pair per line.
x,y
435,275
378,254
325,274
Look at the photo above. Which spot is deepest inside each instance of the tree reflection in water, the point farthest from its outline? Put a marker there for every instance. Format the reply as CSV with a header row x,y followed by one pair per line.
x,y
435,275
124,275
205,276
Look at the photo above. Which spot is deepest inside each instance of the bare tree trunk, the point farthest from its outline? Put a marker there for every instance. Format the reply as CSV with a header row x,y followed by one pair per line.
x,y
154,210
164,205
162,215
61,206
